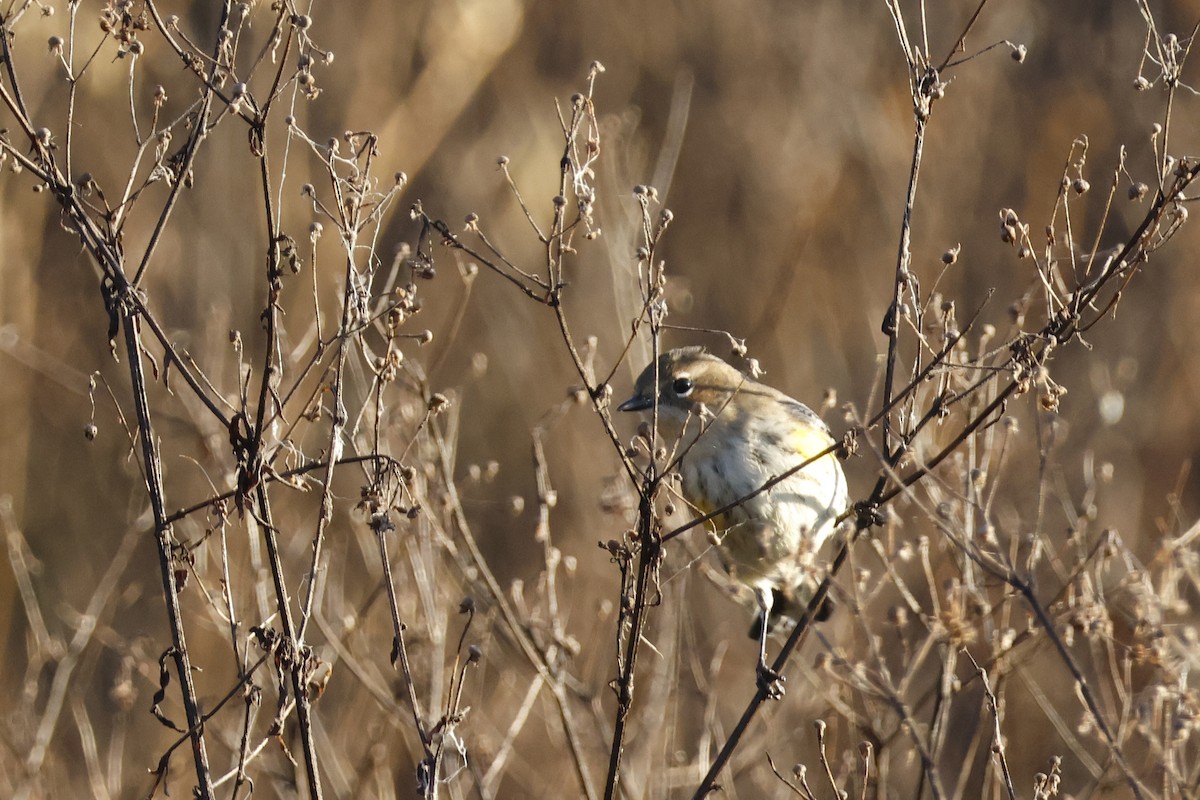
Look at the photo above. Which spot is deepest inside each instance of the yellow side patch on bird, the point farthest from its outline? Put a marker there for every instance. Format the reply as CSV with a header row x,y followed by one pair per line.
x,y
719,524
808,442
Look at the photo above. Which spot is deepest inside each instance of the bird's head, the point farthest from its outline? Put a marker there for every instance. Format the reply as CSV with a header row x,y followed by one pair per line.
x,y
685,383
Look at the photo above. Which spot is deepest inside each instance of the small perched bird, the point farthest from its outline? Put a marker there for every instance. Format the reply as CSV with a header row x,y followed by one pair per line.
x,y
733,435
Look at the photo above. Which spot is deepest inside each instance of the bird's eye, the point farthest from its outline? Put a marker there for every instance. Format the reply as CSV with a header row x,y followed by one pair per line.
x,y
683,386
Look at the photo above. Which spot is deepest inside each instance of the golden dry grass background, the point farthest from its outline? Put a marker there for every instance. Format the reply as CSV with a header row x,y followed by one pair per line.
x,y
780,135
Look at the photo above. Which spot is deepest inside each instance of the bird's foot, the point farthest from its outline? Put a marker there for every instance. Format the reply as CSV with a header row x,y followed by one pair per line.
x,y
770,682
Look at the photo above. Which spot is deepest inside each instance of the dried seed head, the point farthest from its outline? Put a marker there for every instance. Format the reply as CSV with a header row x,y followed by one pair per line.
x,y
951,256
1137,191
1019,52
1079,186
1016,312
90,432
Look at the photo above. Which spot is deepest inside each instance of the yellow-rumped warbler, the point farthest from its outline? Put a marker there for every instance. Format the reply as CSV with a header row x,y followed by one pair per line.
x,y
735,434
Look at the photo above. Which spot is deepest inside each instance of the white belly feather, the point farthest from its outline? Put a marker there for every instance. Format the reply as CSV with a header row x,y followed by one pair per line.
x,y
771,539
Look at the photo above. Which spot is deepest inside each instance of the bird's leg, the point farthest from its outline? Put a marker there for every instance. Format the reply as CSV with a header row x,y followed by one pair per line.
x,y
769,681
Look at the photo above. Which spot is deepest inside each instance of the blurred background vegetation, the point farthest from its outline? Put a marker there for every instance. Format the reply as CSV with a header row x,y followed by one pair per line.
x,y
780,135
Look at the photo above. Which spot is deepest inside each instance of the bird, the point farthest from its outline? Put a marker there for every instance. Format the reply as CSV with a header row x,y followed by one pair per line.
x,y
732,435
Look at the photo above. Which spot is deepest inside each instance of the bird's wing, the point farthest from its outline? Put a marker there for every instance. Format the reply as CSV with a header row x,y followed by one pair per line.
x,y
804,414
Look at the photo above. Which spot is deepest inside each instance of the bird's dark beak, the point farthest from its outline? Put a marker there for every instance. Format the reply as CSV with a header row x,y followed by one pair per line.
x,y
639,402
